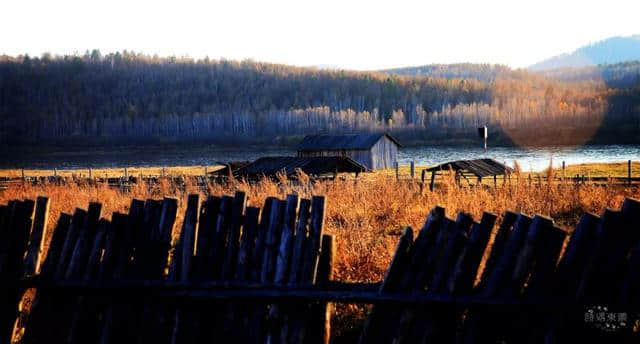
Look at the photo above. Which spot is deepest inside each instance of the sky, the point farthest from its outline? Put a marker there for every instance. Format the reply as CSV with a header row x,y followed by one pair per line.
x,y
361,35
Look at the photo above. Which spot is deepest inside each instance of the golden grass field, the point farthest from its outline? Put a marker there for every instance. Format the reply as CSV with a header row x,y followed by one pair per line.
x,y
366,215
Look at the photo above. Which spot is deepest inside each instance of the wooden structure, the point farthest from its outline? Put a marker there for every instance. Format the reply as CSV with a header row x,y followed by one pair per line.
x,y
313,166
529,290
375,151
244,274
221,241
478,168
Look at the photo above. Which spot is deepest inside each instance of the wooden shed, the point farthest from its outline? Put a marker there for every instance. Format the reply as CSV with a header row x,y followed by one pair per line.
x,y
289,165
374,151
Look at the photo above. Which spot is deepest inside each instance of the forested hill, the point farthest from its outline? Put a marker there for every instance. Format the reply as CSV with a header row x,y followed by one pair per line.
x,y
482,72
132,98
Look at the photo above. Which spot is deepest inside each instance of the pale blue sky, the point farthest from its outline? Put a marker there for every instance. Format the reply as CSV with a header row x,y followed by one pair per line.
x,y
348,34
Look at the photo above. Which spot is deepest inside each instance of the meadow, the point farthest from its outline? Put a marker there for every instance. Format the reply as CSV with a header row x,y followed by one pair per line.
x,y
366,215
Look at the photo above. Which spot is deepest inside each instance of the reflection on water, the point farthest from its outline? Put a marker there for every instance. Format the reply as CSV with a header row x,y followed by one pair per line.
x,y
535,159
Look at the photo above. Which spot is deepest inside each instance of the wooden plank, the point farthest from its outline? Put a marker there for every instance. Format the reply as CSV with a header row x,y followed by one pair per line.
x,y
271,242
247,243
34,250
223,222
466,268
454,246
316,227
84,323
496,283
80,253
278,325
596,278
500,239
413,279
374,328
55,246
283,260
70,242
300,238
235,230
42,308
261,239
18,236
573,262
319,330
203,258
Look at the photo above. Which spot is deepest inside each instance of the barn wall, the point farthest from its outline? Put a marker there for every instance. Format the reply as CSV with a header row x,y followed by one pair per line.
x,y
384,154
361,156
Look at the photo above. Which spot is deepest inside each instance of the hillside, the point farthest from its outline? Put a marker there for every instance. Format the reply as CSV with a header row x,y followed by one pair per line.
x,y
128,98
480,72
608,51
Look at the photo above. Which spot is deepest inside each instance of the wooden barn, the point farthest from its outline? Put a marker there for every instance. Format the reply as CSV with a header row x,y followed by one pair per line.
x,y
374,151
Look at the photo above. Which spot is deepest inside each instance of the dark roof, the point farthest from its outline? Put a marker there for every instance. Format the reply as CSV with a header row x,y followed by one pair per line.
x,y
479,167
338,142
224,171
309,165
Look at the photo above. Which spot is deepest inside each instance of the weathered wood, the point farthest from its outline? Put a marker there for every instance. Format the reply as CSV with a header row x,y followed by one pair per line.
x,y
454,246
503,270
598,273
316,227
247,243
283,260
271,242
414,279
79,256
33,257
69,242
300,238
320,323
235,230
374,329
204,255
466,268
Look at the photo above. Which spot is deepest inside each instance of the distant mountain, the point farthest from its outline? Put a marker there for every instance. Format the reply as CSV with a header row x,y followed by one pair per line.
x,y
481,72
608,51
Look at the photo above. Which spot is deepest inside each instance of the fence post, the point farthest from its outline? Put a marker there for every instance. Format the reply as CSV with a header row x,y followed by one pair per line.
x,y
126,174
90,174
433,180
397,171
563,168
413,169
22,171
629,172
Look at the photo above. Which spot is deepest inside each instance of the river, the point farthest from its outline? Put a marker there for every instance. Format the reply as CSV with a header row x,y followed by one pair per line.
x,y
530,159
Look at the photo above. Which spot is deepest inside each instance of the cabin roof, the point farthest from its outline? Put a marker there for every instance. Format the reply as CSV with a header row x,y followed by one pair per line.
x,y
339,142
309,165
478,167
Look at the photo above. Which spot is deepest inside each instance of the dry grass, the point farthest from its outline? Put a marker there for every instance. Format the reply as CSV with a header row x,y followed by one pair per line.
x,y
366,216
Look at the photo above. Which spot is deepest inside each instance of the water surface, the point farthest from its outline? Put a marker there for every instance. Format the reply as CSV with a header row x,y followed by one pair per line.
x,y
534,159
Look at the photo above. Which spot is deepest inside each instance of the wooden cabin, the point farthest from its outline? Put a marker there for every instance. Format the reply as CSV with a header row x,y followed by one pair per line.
x,y
374,151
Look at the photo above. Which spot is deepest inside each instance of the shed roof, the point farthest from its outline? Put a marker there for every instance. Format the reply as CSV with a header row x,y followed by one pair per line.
x,y
309,165
338,142
479,167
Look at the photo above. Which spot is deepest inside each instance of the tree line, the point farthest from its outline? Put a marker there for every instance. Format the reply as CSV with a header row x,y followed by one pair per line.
x,y
126,97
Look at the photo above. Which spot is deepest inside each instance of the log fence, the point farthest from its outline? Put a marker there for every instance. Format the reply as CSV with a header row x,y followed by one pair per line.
x,y
236,273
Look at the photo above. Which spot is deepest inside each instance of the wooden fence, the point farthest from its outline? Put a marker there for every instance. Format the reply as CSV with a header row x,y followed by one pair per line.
x,y
244,274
